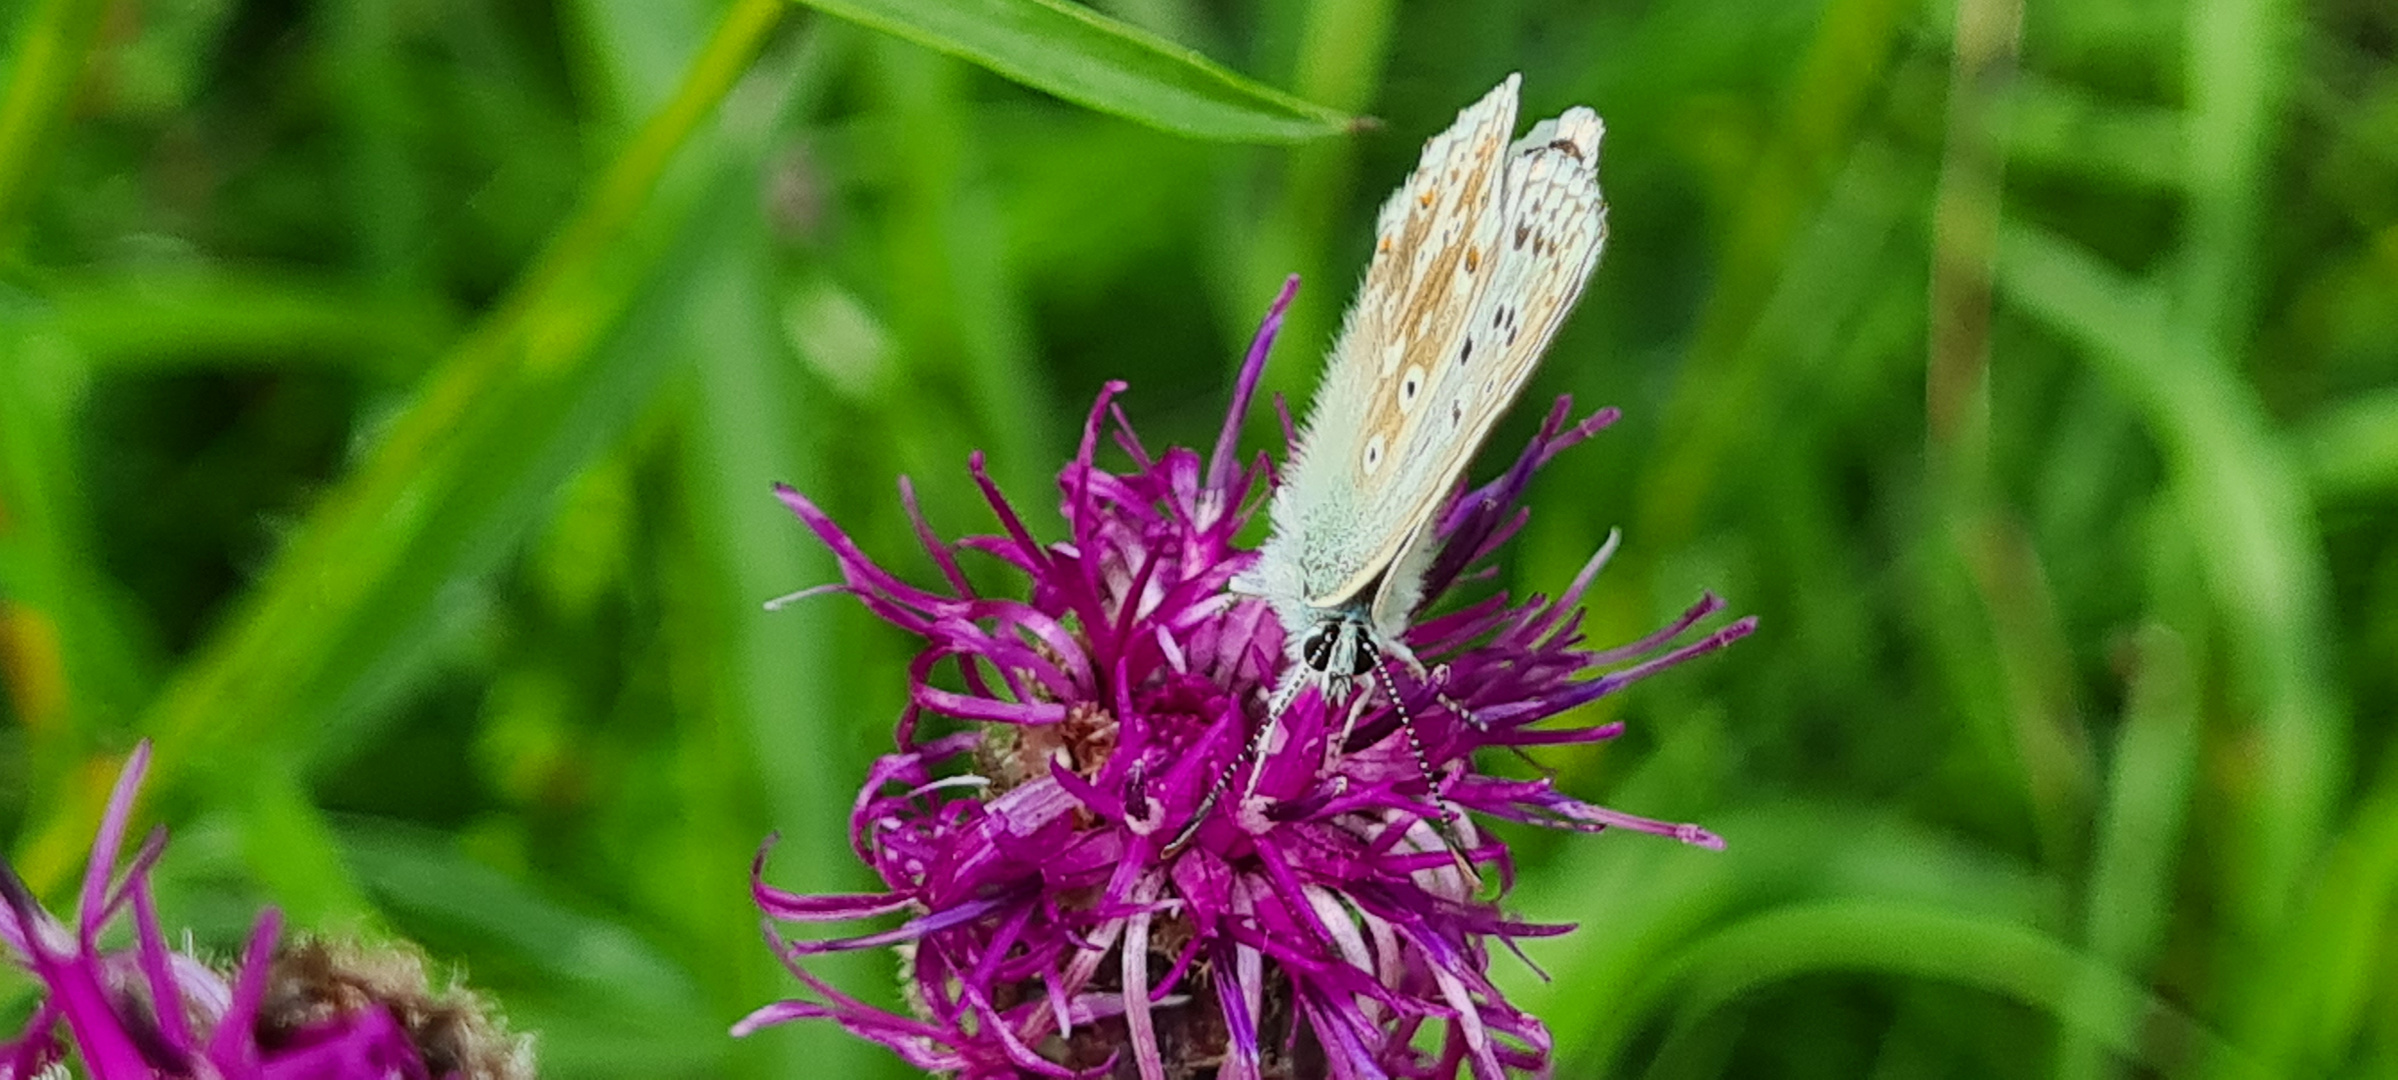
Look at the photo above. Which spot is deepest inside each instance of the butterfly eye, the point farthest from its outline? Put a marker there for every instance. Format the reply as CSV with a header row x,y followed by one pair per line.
x,y
1363,659
1317,650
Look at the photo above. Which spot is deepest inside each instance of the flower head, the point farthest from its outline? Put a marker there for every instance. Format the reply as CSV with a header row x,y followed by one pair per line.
x,y
307,1011
1318,923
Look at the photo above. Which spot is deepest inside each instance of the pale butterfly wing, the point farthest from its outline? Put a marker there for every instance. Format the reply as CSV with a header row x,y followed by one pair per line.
x,y
1477,259
1340,514
1555,225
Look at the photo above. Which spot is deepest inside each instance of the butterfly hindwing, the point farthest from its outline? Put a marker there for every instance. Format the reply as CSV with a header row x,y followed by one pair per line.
x,y
1555,222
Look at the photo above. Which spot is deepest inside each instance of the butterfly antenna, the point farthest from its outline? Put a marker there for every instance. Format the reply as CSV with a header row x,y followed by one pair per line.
x,y
1446,821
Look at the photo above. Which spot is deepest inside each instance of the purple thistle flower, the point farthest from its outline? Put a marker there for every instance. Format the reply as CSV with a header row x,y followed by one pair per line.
x,y
307,1011
1315,927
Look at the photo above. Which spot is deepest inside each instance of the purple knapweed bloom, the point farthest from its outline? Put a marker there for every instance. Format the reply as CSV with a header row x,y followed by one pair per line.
x,y
1318,923
307,1011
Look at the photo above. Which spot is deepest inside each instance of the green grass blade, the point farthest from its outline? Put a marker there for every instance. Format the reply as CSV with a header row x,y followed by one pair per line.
x,y
2238,67
767,678
1919,941
2328,976
76,659
1644,903
958,310
2256,533
2139,832
1099,63
221,317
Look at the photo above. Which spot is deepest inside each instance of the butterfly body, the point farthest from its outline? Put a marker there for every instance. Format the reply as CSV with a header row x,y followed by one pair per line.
x,y
1477,259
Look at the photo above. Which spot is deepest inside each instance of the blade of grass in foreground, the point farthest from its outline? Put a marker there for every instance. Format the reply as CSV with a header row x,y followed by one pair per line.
x,y
1096,62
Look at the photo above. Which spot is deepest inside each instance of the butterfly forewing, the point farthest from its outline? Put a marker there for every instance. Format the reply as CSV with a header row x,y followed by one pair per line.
x,y
1432,263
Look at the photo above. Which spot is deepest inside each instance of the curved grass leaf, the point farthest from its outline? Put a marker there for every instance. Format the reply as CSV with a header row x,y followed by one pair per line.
x,y
1928,942
1099,63
1644,904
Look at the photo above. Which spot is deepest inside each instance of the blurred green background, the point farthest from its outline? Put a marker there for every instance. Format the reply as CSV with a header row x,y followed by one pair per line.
x,y
390,391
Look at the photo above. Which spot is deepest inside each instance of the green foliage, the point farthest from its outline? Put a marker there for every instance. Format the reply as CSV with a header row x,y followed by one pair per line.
x,y
390,391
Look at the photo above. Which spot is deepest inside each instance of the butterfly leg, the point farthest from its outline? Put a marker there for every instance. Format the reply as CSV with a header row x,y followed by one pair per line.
x,y
1253,751
1252,758
1439,682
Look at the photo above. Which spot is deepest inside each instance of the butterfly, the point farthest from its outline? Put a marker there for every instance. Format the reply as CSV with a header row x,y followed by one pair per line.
x,y
1478,257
